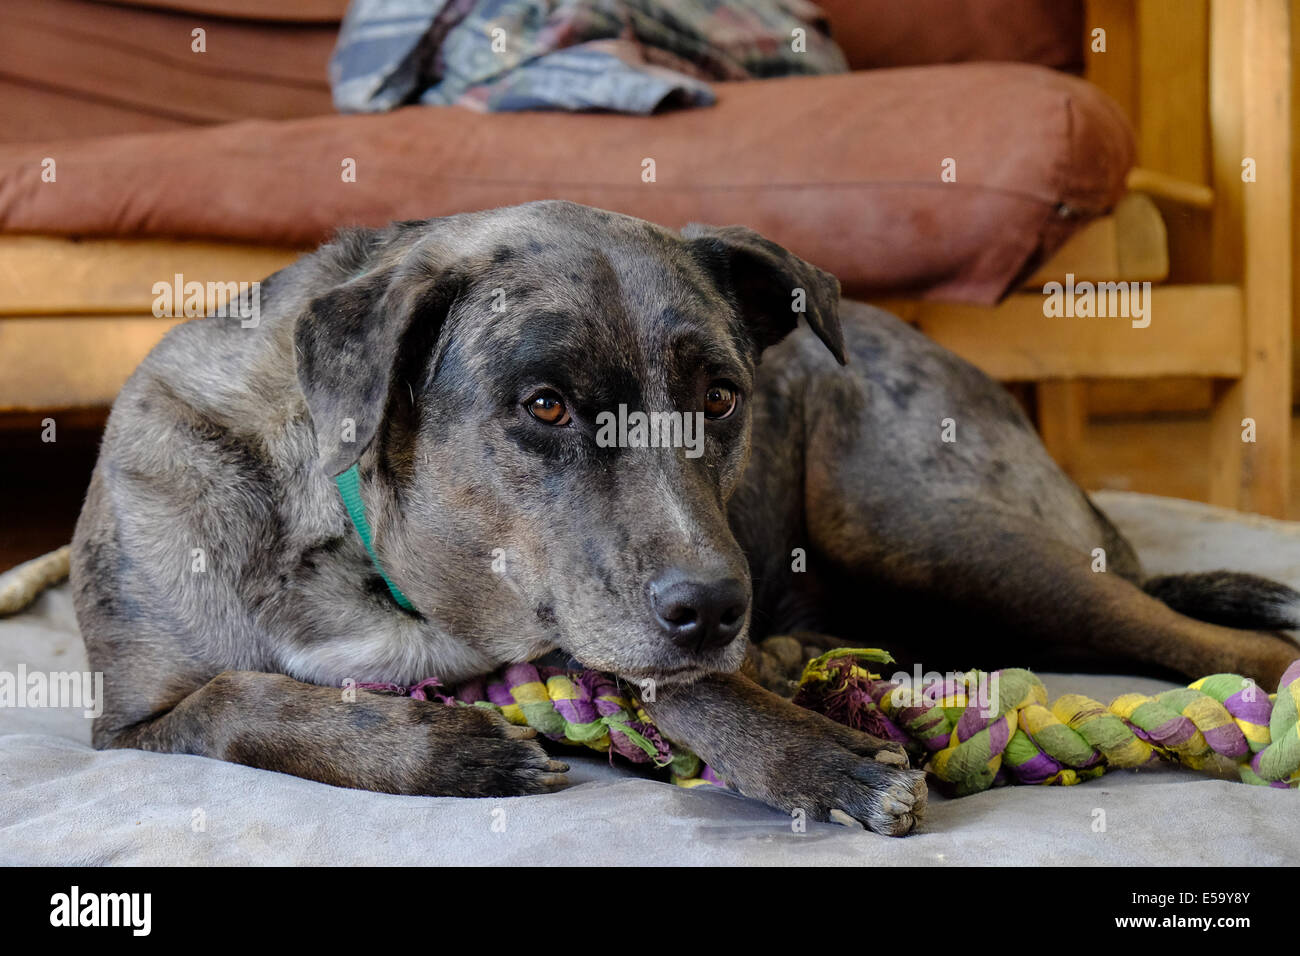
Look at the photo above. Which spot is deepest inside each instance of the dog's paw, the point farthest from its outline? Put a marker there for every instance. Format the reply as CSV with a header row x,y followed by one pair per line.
x,y
851,778
886,798
487,756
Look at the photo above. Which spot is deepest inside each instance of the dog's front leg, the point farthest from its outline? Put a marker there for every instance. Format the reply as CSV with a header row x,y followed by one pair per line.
x,y
352,739
789,757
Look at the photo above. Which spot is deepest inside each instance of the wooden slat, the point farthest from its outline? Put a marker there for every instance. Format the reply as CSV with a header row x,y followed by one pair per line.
x,y
71,361
68,361
44,275
54,276
1115,71
1129,244
1195,330
1295,216
1130,398
1254,476
1164,186
1062,420
1173,89
1226,144
1172,127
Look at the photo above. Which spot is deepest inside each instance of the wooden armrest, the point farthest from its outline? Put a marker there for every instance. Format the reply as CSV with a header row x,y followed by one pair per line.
x,y
1164,186
1129,245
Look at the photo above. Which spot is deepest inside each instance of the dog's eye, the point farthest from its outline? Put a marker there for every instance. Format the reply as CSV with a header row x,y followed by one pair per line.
x,y
720,400
548,408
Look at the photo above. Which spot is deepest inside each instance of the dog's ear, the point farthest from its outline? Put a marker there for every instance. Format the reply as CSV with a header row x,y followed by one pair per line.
x,y
349,342
770,284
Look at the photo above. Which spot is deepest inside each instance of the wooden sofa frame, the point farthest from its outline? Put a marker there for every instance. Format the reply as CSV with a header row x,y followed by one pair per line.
x,y
1211,87
1208,84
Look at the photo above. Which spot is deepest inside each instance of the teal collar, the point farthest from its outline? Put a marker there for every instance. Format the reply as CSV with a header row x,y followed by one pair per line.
x,y
350,489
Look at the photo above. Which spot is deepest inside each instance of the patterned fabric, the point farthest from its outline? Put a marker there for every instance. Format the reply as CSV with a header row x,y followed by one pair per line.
x,y
628,56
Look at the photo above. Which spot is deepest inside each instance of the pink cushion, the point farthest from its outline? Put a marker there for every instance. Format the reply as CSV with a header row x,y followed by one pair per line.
x,y
881,33
125,69
844,170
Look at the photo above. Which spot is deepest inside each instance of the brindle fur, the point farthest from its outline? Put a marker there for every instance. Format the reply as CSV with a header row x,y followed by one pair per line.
x,y
226,597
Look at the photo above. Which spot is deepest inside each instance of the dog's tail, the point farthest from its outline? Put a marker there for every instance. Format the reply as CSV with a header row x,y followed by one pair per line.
x,y
1230,599
22,585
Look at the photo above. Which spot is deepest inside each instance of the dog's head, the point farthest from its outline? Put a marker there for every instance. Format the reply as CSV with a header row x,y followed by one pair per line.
x,y
554,402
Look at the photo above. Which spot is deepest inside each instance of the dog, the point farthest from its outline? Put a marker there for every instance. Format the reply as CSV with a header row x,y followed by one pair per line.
x,y
860,482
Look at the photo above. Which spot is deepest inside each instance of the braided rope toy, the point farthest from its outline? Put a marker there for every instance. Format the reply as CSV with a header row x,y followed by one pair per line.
x,y
582,708
979,730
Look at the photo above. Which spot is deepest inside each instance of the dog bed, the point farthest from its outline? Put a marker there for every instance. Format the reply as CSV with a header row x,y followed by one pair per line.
x,y
62,802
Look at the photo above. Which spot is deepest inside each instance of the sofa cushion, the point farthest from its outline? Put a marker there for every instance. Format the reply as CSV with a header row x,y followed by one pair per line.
x,y
882,33
295,11
845,170
133,70
873,33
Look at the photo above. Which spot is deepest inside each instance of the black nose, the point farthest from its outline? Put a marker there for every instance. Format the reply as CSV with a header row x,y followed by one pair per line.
x,y
698,614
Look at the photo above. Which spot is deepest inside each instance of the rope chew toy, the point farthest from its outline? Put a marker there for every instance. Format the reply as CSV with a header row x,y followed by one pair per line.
x,y
978,729
578,708
981,730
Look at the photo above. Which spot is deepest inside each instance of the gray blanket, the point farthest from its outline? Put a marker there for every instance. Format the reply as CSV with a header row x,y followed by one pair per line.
x,y
63,803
